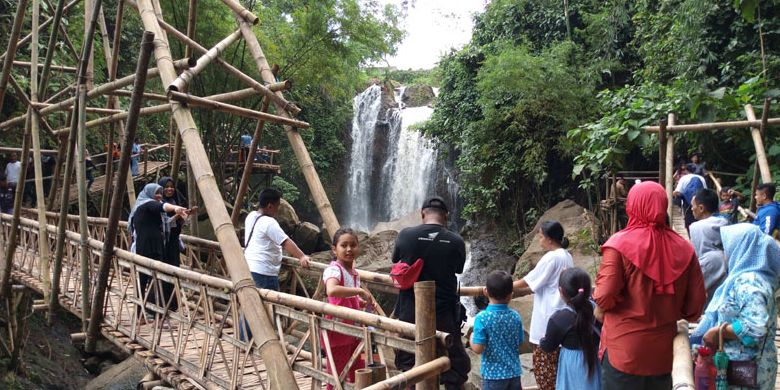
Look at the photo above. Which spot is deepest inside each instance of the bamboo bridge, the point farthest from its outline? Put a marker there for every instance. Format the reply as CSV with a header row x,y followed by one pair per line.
x,y
198,345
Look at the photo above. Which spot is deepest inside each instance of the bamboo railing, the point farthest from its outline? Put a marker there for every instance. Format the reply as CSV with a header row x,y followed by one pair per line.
x,y
199,344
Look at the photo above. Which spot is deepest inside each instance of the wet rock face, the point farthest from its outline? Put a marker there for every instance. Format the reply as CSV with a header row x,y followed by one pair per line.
x,y
418,96
487,248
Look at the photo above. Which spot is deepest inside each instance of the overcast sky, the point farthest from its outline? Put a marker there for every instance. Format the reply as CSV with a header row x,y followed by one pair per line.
x,y
432,28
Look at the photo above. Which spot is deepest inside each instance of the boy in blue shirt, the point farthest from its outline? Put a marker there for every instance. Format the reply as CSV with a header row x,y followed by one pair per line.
x,y
498,335
768,213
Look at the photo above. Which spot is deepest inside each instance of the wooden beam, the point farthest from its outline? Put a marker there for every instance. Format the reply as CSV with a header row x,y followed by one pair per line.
x,y
188,74
661,153
196,101
713,126
758,143
669,175
47,66
28,65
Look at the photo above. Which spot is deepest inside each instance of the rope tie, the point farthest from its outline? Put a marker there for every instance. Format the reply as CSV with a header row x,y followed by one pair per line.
x,y
420,342
242,284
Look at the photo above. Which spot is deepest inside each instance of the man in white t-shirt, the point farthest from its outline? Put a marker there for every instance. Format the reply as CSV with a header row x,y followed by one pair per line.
x,y
12,170
264,240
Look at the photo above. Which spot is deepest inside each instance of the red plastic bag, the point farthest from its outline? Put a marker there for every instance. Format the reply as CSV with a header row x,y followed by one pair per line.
x,y
404,275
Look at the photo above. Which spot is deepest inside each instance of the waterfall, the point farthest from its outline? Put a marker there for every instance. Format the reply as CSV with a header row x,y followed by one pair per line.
x,y
392,165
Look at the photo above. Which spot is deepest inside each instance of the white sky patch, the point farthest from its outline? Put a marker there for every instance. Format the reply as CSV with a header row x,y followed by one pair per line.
x,y
433,27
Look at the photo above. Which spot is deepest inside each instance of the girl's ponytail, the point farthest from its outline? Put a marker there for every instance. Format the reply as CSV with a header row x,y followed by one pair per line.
x,y
575,284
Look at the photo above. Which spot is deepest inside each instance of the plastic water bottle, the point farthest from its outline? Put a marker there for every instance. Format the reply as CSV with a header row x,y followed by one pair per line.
x,y
704,373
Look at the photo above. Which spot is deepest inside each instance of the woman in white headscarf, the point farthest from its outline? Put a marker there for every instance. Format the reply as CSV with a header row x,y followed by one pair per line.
x,y
744,304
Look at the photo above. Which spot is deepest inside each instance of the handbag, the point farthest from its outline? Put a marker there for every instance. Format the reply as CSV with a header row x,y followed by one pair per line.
x,y
404,275
742,373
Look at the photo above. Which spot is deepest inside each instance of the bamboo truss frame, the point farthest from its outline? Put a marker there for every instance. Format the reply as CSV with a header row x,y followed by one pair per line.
x,y
73,99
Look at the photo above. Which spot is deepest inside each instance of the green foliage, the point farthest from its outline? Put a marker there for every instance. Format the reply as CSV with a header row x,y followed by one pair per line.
x,y
289,191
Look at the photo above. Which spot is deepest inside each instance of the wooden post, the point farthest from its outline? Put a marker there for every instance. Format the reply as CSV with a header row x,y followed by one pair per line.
x,y
296,142
82,186
13,237
43,241
758,142
364,377
669,176
280,375
248,164
50,50
662,153
12,44
425,329
116,198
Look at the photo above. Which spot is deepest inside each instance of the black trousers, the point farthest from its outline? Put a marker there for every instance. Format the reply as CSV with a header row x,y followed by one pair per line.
x,y
612,379
460,364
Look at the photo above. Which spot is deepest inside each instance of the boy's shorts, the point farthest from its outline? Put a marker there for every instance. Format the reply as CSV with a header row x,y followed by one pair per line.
x,y
502,384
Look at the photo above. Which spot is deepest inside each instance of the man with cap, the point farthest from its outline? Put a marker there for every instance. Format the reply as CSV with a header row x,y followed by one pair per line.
x,y
444,254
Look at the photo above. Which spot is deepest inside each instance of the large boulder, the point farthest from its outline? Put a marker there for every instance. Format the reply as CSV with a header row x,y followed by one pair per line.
x,y
408,220
579,225
287,217
377,251
418,96
125,375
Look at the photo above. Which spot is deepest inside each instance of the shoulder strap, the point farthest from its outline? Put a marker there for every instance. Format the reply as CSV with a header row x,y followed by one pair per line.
x,y
246,244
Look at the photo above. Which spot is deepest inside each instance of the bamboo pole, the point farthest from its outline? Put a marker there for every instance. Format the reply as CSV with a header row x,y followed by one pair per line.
x,y
50,49
43,242
116,199
13,237
682,363
425,329
417,374
16,28
280,374
278,99
662,152
55,185
43,25
192,199
196,101
712,126
89,5
318,193
669,175
188,74
191,20
758,142
246,173
26,100
69,162
81,170
41,67
241,11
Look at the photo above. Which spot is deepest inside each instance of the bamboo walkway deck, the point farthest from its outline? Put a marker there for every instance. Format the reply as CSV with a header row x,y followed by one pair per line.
x,y
145,170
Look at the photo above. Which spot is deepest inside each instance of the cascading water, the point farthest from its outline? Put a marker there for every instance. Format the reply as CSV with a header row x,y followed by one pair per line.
x,y
390,180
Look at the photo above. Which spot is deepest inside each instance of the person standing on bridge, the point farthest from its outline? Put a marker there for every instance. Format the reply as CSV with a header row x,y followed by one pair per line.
x,y
12,170
648,279
146,224
705,237
172,231
447,258
134,157
264,240
6,196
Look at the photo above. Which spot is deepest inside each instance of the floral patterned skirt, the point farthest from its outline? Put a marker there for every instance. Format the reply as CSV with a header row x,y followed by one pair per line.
x,y
546,368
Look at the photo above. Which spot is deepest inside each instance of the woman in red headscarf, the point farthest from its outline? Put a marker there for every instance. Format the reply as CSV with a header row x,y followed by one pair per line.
x,y
648,279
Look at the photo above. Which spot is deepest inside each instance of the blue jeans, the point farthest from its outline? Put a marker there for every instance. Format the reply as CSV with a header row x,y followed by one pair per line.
x,y
502,384
261,281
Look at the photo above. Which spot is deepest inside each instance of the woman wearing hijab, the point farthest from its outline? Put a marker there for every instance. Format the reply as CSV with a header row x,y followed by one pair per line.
x,y
172,226
146,224
648,279
744,304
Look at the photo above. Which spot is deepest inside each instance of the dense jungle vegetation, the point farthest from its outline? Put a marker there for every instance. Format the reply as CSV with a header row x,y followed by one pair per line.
x,y
550,95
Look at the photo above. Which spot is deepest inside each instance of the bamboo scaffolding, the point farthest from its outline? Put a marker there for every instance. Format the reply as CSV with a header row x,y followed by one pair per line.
x,y
90,5
318,193
26,39
241,11
97,91
280,374
196,101
669,175
28,65
244,184
147,96
47,66
191,20
91,110
246,79
5,277
188,74
55,185
713,126
425,329
64,32
144,58
662,152
81,173
43,245
16,28
26,100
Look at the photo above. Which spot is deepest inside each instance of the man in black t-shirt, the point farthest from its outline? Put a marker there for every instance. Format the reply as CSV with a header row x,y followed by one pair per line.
x,y
445,259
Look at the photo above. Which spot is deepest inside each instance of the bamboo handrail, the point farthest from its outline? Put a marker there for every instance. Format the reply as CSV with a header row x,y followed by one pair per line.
x,y
682,363
413,376
713,126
